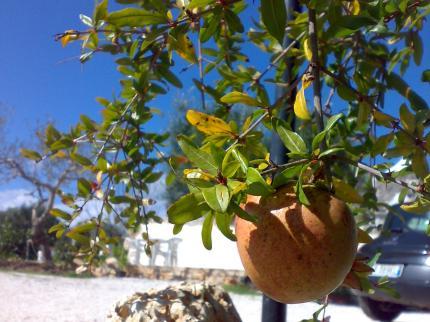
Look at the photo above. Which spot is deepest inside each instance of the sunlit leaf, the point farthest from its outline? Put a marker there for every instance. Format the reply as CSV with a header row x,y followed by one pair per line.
x,y
300,106
345,192
241,98
185,209
134,17
307,49
208,124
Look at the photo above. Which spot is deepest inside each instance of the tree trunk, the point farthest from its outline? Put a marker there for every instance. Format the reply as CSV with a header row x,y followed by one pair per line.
x,y
39,234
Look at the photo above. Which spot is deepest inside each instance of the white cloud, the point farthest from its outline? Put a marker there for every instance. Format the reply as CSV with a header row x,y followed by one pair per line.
x,y
12,198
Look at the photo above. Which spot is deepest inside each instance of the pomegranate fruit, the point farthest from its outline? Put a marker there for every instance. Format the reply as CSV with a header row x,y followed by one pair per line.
x,y
296,253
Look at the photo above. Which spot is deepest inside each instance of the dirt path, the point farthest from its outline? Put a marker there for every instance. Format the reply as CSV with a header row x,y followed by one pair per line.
x,y
43,298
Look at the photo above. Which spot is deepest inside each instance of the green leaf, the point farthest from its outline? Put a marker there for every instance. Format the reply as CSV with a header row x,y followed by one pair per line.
x,y
274,15
30,154
199,3
217,197
230,168
329,152
84,228
425,77
418,48
60,214
303,199
395,82
207,230
291,140
84,187
223,221
286,176
133,17
80,159
332,121
198,157
177,228
233,21
55,228
419,163
239,97
242,213
257,186
345,192
241,159
407,119
381,144
63,143
100,11
81,239
187,208
318,139
169,76
355,22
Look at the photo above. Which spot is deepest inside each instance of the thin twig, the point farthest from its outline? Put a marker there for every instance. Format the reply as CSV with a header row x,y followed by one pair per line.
x,y
382,175
115,125
290,164
315,71
281,55
201,74
249,129
360,97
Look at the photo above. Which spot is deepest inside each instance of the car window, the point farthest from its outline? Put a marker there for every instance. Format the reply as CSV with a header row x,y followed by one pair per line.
x,y
402,219
418,223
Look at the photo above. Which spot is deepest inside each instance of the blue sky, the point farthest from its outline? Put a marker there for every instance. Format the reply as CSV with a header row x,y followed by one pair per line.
x,y
40,80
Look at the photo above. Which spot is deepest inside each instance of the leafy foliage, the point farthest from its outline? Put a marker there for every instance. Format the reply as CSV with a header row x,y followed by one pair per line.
x,y
353,48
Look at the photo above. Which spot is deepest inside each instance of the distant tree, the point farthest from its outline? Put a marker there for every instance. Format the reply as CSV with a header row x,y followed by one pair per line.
x,y
45,180
15,231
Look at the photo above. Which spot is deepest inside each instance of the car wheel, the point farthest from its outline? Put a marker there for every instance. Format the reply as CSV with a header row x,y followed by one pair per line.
x,y
380,311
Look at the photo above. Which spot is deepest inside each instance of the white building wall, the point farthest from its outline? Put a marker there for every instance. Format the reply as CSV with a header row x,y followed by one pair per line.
x,y
190,251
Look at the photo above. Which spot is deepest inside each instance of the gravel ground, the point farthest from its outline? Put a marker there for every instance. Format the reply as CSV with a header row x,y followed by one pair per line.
x,y
42,298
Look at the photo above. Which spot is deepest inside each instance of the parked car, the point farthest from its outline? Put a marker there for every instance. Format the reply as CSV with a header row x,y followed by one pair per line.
x,y
405,260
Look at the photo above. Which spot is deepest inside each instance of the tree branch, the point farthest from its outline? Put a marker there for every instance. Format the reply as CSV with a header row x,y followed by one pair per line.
x,y
315,71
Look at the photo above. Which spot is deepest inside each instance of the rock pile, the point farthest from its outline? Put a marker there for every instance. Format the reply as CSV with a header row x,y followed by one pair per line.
x,y
185,302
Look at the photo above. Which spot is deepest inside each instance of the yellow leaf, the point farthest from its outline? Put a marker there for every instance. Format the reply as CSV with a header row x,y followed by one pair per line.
x,y
99,177
307,80
345,192
184,47
209,124
247,123
69,35
355,7
169,15
300,106
420,206
60,154
363,236
307,49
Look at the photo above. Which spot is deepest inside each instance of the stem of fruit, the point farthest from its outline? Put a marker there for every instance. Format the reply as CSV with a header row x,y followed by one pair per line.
x,y
315,72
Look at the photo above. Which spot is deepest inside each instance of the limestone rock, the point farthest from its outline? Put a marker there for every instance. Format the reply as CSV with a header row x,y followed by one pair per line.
x,y
185,302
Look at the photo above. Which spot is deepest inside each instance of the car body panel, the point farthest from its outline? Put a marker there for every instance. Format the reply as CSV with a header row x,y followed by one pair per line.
x,y
403,242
